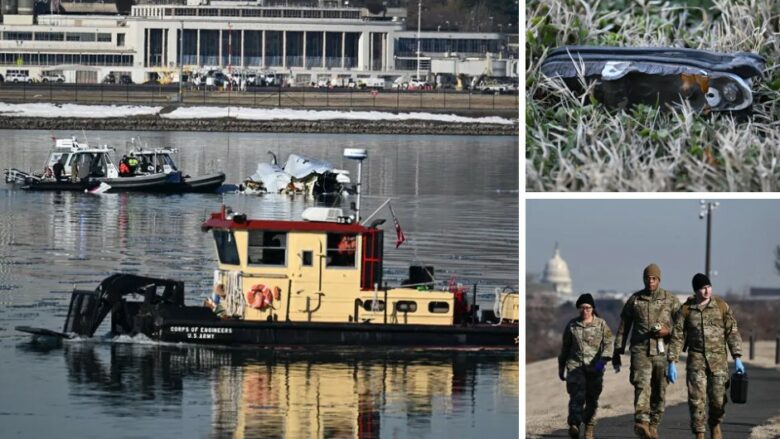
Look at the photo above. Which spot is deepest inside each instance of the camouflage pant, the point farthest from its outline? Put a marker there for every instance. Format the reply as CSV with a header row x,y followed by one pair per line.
x,y
584,387
648,376
706,392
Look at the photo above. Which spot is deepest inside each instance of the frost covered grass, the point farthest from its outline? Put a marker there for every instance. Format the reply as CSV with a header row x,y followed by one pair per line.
x,y
573,143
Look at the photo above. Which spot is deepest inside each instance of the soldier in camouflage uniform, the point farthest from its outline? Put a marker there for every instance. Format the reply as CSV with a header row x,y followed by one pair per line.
x,y
586,349
647,319
706,326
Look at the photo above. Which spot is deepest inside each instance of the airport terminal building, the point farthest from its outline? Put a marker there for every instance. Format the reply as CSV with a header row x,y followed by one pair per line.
x,y
300,42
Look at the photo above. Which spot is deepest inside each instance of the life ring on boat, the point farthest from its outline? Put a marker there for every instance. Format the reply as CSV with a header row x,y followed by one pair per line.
x,y
260,297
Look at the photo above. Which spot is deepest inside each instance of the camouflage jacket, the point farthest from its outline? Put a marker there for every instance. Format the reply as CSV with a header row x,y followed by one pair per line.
x,y
643,310
706,330
584,344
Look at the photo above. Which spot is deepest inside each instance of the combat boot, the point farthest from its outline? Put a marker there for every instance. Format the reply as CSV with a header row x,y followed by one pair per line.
x,y
589,431
654,431
574,432
642,430
715,432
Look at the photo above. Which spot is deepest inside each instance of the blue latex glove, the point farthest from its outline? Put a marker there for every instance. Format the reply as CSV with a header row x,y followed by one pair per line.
x,y
599,366
562,373
740,367
671,372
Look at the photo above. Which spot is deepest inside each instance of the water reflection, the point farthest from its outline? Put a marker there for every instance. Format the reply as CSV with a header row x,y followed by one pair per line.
x,y
323,394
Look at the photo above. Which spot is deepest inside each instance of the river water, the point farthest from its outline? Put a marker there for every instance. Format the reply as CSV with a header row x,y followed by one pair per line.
x,y
455,197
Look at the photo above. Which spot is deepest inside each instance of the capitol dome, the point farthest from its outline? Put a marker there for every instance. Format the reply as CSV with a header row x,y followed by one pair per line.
x,y
556,272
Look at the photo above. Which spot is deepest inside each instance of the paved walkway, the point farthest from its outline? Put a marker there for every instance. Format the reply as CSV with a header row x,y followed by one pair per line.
x,y
763,404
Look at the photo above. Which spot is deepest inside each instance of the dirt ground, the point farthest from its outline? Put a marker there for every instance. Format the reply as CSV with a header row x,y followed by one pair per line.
x,y
546,397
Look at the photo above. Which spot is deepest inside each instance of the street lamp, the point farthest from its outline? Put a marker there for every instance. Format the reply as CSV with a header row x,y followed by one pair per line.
x,y
419,14
706,211
181,59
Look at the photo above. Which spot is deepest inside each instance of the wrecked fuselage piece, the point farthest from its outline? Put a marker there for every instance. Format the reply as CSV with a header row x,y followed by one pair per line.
x,y
626,76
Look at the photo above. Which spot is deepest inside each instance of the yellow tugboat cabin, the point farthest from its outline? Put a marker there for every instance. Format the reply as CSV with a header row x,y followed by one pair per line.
x,y
324,270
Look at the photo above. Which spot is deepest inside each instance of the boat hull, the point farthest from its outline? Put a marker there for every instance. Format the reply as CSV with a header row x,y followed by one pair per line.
x,y
60,186
141,183
206,184
259,334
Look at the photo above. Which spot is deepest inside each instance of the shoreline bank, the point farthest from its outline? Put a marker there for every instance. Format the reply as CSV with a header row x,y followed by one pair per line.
x,y
333,126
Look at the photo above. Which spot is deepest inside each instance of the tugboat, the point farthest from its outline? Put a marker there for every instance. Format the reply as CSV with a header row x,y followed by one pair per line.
x,y
93,166
316,281
160,160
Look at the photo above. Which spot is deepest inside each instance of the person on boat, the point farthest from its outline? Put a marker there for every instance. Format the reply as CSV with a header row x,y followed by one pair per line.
x,y
58,169
74,170
587,348
347,245
124,170
214,302
132,162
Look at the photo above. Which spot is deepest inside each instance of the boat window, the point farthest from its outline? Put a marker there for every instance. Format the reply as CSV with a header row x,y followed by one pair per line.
x,y
169,161
226,247
439,307
307,258
406,306
267,248
341,249
370,305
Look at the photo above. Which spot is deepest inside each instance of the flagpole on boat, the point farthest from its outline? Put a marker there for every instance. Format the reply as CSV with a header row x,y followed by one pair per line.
x,y
358,154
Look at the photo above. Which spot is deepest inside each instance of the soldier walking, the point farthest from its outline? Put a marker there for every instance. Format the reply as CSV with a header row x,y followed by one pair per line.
x,y
647,319
587,348
705,325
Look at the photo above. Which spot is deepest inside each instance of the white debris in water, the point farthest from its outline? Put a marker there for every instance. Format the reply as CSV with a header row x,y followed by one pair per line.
x,y
75,110
246,113
243,113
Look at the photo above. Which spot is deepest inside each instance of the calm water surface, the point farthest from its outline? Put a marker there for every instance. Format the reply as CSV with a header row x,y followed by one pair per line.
x,y
456,198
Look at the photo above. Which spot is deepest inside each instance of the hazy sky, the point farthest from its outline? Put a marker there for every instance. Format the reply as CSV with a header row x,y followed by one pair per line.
x,y
607,243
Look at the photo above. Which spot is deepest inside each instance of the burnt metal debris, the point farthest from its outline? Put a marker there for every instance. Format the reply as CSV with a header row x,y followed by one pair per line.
x,y
626,76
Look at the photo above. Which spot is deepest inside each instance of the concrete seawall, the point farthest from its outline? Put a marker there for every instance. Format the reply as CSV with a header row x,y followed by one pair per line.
x,y
155,123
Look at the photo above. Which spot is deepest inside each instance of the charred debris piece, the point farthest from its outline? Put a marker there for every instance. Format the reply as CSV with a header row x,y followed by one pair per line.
x,y
627,76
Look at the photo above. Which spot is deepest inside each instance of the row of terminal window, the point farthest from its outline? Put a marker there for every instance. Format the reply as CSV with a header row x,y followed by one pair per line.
x,y
270,248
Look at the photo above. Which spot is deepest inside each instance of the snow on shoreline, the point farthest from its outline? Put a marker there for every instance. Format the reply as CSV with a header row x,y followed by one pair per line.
x,y
75,110
246,113
46,110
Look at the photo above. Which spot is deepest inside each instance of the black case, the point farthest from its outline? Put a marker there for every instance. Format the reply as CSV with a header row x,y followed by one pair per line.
x,y
739,388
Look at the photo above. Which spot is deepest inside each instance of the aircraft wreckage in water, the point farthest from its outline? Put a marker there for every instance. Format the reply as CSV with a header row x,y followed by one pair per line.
x,y
300,175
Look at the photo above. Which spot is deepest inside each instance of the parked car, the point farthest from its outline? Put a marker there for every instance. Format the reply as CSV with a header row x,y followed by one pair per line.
x,y
125,79
52,77
18,77
419,84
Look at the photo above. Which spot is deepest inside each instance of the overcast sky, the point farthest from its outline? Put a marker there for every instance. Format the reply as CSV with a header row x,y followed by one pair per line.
x,y
607,243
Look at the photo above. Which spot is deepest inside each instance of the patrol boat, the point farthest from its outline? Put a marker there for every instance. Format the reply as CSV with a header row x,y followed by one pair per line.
x,y
315,281
93,165
158,160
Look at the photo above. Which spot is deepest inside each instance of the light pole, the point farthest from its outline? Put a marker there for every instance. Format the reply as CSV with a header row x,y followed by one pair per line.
x,y
181,60
419,13
706,211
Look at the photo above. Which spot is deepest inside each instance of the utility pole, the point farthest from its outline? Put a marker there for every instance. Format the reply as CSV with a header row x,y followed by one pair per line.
x,y
706,211
419,15
181,60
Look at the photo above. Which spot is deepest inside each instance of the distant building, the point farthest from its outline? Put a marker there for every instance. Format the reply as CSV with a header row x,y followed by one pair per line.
x,y
556,272
764,293
298,41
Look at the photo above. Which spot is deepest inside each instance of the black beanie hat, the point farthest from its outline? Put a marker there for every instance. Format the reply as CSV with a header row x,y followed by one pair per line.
x,y
586,298
700,280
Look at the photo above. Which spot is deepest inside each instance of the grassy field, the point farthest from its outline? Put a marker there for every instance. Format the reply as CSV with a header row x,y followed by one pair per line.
x,y
576,144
